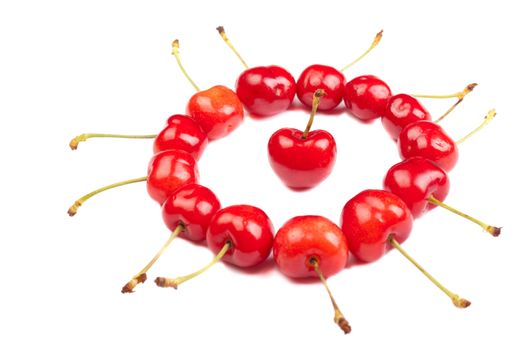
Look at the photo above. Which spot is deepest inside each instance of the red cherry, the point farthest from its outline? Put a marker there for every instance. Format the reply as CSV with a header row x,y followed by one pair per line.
x,y
415,180
182,133
402,110
248,230
193,206
428,140
312,246
322,77
370,218
217,110
266,91
168,171
366,97
305,237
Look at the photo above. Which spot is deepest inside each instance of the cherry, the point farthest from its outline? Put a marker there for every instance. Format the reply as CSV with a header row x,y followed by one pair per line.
x,y
423,185
192,205
302,159
182,133
241,235
217,110
402,110
264,91
429,140
327,78
187,212
366,97
312,246
376,221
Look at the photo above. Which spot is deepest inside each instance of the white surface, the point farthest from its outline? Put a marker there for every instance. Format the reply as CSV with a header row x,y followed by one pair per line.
x,y
68,68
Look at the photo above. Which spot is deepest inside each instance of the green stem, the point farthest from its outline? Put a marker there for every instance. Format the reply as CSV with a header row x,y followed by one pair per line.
x,y
376,41
83,137
490,115
315,104
73,209
175,52
224,37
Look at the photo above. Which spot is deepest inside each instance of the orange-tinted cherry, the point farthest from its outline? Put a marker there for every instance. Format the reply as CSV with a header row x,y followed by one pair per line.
x,y
312,246
193,206
402,110
376,221
370,218
182,133
168,171
326,78
366,97
241,235
302,159
423,185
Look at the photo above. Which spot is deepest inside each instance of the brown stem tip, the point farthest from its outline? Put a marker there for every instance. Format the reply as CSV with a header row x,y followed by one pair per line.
x,y
165,282
494,231
128,288
343,324
220,29
73,209
460,302
73,144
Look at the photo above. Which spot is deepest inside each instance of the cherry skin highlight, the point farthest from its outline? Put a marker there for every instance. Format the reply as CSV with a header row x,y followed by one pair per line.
x,y
182,133
428,140
217,110
266,91
366,97
326,78
248,230
169,170
370,218
193,206
305,237
415,180
402,110
300,162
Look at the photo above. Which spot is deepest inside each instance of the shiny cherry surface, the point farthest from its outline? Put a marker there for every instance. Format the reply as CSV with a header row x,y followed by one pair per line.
x,y
217,110
168,170
414,180
402,110
266,91
369,218
182,133
428,140
302,163
322,77
305,237
249,231
193,206
366,97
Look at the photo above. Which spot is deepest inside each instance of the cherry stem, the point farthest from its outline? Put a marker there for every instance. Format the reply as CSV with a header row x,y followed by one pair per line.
x,y
175,282
83,137
315,104
73,209
459,95
339,318
493,230
224,37
175,52
376,41
141,276
456,299
490,115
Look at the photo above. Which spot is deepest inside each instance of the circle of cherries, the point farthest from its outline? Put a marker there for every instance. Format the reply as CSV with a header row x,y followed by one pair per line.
x,y
372,222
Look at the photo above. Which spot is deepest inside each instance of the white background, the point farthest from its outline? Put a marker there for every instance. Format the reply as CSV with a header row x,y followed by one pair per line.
x,y
100,66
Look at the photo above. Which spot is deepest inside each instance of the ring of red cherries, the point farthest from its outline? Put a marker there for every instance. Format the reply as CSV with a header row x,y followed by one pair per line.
x,y
372,222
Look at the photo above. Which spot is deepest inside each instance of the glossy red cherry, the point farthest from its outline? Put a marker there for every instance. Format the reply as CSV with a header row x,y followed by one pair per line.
x,y
248,230
193,206
415,180
217,110
322,77
402,110
168,171
366,97
266,91
182,133
370,218
428,140
312,246
305,237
